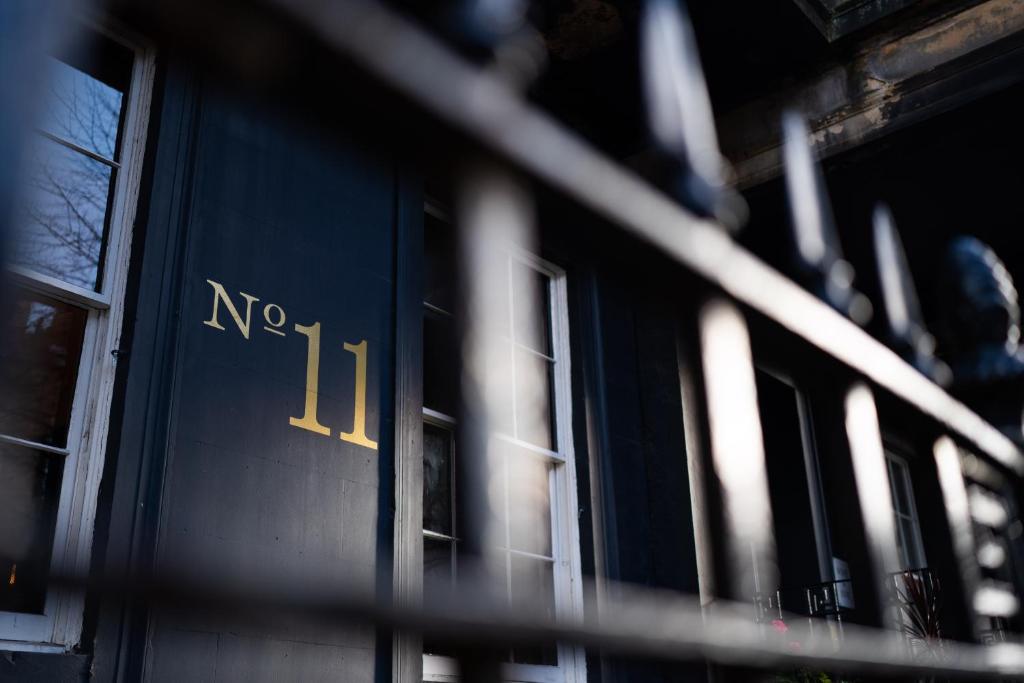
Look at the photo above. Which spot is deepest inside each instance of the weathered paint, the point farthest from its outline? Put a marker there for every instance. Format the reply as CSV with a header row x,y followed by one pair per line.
x,y
894,81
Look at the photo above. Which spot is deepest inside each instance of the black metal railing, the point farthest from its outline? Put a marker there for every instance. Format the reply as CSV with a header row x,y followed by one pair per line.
x,y
514,140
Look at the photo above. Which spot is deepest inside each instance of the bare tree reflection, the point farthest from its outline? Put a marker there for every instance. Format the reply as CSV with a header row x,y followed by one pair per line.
x,y
67,191
62,233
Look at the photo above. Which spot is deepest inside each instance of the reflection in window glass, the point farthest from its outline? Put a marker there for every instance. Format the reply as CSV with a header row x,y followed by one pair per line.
x,y
69,182
437,480
58,242
64,215
30,491
82,110
39,356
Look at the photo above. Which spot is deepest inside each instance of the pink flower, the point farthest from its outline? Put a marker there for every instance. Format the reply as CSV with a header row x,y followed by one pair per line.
x,y
779,625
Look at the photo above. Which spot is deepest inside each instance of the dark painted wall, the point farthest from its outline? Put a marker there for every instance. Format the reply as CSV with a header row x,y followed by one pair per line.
x,y
626,329
305,224
646,462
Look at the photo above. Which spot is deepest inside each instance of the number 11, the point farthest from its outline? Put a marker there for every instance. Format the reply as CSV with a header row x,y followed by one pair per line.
x,y
309,419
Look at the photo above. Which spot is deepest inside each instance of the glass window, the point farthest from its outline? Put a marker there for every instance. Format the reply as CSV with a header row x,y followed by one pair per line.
x,y
439,266
531,548
908,528
50,326
532,578
440,362
30,488
39,358
83,110
65,213
64,219
438,489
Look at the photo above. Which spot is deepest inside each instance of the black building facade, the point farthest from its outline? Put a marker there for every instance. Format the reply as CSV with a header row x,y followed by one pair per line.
x,y
240,313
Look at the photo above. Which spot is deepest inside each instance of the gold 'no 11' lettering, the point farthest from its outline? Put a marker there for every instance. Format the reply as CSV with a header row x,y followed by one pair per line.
x,y
309,420
275,318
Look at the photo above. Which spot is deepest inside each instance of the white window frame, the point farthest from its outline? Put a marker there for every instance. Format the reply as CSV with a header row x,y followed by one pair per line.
x,y
898,466
59,627
565,537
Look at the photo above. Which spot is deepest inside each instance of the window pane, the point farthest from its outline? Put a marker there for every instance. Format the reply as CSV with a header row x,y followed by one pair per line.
x,y
438,566
890,467
439,267
532,308
534,416
497,498
62,227
901,543
914,554
533,583
499,365
30,492
902,484
39,359
529,504
495,563
437,479
82,109
440,367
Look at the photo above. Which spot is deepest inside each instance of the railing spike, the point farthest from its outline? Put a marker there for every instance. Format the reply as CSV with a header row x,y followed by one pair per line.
x,y
820,262
679,114
903,311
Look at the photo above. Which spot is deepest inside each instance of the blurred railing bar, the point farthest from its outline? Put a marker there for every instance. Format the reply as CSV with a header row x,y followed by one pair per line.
x,y
737,458
661,625
419,67
493,215
958,517
871,482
